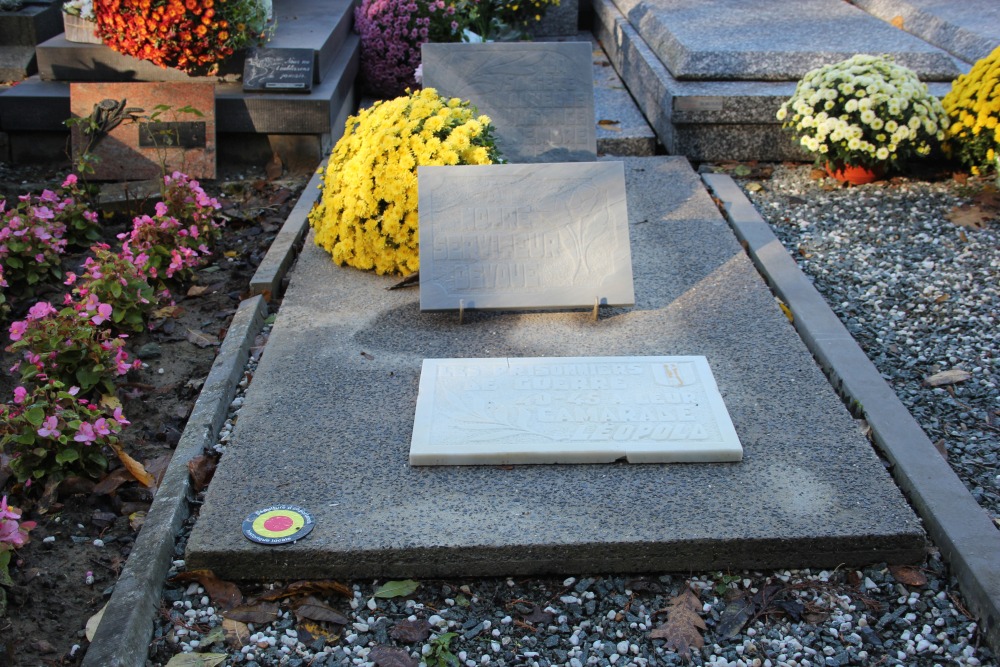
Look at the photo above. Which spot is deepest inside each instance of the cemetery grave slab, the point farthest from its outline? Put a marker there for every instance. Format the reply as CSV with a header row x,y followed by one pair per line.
x,y
524,236
570,410
540,95
326,426
723,40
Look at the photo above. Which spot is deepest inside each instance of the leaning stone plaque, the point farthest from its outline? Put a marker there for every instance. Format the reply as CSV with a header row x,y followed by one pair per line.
x,y
571,410
524,236
540,95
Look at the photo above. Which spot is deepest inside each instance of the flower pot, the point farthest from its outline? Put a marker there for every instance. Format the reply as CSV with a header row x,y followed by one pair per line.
x,y
853,174
80,30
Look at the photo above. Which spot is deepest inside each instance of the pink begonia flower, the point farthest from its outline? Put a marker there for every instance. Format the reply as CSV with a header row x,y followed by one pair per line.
x,y
49,429
70,279
11,533
42,213
73,391
40,310
119,417
161,209
70,180
20,395
17,330
8,512
101,426
39,258
49,196
85,433
103,314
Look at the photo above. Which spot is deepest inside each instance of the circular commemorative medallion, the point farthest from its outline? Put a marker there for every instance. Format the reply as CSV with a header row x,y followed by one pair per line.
x,y
278,524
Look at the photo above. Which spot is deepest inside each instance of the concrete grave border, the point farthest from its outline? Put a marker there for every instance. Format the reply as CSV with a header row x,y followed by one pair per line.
x,y
968,539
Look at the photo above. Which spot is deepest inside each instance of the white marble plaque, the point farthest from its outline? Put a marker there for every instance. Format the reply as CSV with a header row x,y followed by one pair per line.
x,y
571,410
524,236
540,95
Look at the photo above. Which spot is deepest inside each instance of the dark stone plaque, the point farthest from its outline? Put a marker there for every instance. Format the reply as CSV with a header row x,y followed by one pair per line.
x,y
175,135
279,70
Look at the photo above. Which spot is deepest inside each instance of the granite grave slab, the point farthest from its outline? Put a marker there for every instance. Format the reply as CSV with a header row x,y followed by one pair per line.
x,y
513,236
326,426
570,410
772,40
969,29
141,149
540,95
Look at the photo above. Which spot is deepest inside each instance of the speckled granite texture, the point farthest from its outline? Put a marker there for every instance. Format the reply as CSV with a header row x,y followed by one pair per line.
x,y
327,422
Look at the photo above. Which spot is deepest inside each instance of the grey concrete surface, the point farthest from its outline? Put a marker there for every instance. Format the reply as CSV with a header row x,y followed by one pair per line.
x,y
958,525
969,30
772,40
123,635
327,423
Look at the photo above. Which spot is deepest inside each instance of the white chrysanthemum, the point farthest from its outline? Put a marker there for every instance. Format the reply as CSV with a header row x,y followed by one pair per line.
x,y
882,153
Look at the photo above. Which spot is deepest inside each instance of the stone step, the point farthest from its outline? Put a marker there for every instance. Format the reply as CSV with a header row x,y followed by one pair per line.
x,y
326,426
969,30
20,31
704,120
322,27
621,127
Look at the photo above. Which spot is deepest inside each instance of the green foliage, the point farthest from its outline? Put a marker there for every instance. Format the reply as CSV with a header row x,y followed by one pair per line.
x,y
52,433
440,654
116,279
397,589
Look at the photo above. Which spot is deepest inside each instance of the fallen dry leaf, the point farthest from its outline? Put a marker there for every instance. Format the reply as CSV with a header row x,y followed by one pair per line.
x,y
134,468
411,632
167,312
112,481
225,594
310,632
313,609
260,613
93,622
136,519
197,290
538,616
386,656
897,21
908,575
201,339
971,215
321,586
952,376
202,468
684,625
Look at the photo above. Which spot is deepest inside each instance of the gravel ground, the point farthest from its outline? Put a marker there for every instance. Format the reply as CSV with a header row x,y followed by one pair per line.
x,y
884,257
920,294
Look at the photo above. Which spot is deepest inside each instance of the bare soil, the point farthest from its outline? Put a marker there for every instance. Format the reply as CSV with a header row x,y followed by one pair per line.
x,y
94,529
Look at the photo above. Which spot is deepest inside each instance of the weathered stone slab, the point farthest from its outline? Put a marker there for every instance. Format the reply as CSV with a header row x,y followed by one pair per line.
x,y
175,140
772,40
570,410
540,95
328,428
969,29
524,236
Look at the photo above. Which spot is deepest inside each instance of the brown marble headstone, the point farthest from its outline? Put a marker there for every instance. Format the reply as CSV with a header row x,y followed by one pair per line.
x,y
155,133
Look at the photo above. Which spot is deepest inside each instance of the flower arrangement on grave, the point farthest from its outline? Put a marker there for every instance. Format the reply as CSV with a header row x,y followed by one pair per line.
x,y
973,107
391,34
190,35
367,217
500,20
866,111
82,8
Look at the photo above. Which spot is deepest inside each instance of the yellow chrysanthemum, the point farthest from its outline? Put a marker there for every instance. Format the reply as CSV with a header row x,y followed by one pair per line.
x,y
367,216
973,105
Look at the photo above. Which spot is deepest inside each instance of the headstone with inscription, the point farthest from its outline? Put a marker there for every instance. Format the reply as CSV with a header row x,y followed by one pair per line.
x,y
524,236
138,130
570,410
540,95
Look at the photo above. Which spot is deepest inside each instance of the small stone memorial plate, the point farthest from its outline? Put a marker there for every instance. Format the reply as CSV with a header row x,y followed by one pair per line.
x,y
279,70
571,410
512,236
540,95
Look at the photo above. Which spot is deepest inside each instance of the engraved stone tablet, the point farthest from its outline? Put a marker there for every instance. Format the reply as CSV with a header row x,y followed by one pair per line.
x,y
540,95
279,70
524,236
571,410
